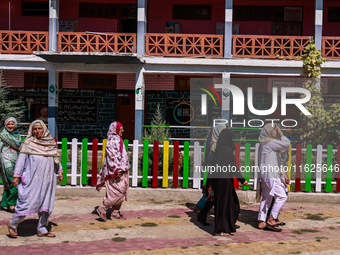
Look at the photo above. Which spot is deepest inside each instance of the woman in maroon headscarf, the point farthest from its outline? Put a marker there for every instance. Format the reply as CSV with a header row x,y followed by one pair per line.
x,y
114,173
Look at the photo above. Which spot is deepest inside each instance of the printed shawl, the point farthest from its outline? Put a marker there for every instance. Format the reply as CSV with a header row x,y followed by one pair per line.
x,y
116,157
44,146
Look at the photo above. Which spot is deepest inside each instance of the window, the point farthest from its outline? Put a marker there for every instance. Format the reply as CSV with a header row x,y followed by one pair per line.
x,y
29,8
98,10
36,80
334,86
97,81
191,12
333,14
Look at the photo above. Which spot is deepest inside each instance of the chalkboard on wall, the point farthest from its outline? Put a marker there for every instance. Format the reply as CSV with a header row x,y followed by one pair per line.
x,y
77,110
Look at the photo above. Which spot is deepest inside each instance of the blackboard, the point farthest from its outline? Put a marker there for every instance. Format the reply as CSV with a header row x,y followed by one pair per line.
x,y
77,110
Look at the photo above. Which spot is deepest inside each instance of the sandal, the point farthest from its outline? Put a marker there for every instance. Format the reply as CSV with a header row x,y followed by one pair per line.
x,y
279,223
274,228
117,216
12,232
102,216
223,234
47,234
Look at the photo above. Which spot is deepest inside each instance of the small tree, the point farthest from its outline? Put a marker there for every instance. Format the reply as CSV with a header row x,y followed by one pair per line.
x,y
322,127
9,108
159,130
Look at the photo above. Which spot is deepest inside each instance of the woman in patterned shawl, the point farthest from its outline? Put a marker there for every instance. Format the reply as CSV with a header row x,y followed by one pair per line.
x,y
34,174
9,146
114,173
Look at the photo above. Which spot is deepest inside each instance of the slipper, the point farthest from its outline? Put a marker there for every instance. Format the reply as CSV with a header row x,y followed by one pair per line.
x,y
274,228
47,234
102,216
196,209
11,231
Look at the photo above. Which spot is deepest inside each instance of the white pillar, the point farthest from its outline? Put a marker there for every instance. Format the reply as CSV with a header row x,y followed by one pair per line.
x,y
53,84
139,104
228,28
318,23
53,25
141,26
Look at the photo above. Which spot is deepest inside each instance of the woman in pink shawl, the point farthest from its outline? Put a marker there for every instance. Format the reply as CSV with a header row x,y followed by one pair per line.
x,y
114,173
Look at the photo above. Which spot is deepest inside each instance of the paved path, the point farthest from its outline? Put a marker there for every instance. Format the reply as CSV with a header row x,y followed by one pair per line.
x,y
310,229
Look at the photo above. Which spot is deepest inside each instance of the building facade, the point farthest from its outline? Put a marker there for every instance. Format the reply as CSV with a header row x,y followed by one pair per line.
x,y
93,62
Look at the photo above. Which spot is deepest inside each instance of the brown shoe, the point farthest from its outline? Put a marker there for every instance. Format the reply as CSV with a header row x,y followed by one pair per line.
x,y
11,231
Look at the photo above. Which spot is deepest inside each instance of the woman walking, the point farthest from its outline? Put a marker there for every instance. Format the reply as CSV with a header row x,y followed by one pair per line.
x,y
114,173
273,183
9,146
227,206
34,174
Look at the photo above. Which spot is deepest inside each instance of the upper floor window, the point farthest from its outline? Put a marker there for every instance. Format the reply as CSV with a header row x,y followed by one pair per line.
x,y
97,81
334,14
191,12
34,8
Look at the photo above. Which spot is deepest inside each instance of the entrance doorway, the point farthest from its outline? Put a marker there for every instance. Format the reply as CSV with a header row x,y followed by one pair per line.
x,y
126,114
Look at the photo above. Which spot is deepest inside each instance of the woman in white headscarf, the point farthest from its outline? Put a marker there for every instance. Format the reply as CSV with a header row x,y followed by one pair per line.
x,y
273,185
34,174
114,173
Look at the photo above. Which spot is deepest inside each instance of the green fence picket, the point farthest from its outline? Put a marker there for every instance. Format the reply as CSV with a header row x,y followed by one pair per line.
x,y
64,160
84,162
186,161
329,168
145,163
246,164
309,154
126,143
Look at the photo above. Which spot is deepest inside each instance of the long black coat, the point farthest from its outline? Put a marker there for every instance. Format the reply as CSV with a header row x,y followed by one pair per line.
x,y
227,206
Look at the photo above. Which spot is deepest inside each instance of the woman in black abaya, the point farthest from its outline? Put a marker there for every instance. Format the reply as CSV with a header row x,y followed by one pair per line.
x,y
227,207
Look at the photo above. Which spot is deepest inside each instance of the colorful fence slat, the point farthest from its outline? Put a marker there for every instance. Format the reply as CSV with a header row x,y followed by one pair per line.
x,y
247,164
307,168
126,144
135,163
155,164
165,182
186,162
337,170
298,167
64,160
94,162
103,149
145,163
74,161
318,173
175,167
237,157
329,168
84,162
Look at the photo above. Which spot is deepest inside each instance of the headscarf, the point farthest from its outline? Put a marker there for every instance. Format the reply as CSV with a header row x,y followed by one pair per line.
x,y
116,158
215,132
44,146
11,138
267,134
226,140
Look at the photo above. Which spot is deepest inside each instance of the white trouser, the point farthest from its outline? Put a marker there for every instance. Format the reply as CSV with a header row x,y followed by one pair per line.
x,y
42,224
280,199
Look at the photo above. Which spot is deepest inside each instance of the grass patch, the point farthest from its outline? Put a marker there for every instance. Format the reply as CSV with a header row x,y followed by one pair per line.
x,y
149,224
174,216
91,223
247,242
116,234
65,241
331,228
198,244
301,231
315,217
321,237
216,244
120,227
103,228
295,252
118,239
281,243
184,247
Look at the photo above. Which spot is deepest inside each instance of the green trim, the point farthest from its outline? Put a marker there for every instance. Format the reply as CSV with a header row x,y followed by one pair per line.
x,y
64,160
309,154
329,168
145,162
246,163
84,162
186,165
